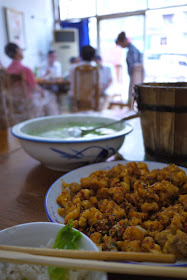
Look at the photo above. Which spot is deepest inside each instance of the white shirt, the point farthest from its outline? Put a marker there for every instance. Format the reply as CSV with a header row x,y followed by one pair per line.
x,y
106,74
55,70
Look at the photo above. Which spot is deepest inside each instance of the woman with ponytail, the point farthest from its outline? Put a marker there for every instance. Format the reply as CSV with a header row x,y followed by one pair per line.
x,y
133,56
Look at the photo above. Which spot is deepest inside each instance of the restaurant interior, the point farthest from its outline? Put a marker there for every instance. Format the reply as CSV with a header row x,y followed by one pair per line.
x,y
93,135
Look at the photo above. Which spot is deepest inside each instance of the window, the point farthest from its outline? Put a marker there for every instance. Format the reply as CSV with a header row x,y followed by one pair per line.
x,y
93,32
165,54
164,44
119,6
165,3
114,55
70,9
168,19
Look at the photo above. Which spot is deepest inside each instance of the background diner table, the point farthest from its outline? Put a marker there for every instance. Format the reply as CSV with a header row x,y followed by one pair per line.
x,y
54,81
59,86
24,183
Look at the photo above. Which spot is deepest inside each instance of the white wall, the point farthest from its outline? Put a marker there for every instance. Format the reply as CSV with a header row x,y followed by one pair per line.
x,y
38,19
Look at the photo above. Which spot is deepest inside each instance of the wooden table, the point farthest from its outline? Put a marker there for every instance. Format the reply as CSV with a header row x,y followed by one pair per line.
x,y
60,87
24,183
61,83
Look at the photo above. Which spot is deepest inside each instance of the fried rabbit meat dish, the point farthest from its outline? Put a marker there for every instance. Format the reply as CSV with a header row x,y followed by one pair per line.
x,y
129,208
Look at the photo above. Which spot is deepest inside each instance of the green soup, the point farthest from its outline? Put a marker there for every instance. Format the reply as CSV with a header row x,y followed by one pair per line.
x,y
71,131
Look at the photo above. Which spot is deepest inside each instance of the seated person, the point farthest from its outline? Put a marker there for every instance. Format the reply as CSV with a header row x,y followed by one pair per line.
x,y
74,60
53,68
106,81
16,67
42,101
87,57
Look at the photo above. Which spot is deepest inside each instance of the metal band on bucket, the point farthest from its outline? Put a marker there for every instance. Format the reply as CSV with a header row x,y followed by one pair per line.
x,y
162,108
166,156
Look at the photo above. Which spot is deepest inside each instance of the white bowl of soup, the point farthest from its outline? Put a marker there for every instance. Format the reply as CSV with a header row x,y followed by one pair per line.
x,y
53,140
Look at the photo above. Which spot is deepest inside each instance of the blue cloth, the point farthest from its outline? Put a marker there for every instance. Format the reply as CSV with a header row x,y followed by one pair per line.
x,y
133,56
82,26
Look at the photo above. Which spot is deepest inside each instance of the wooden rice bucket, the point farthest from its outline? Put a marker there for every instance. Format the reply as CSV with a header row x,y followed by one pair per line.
x,y
163,108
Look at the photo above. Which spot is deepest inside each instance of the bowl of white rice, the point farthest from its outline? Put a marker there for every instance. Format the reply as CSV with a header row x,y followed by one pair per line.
x,y
40,234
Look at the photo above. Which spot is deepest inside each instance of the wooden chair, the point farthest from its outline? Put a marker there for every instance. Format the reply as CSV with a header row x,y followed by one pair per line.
x,y
18,96
6,108
4,123
136,78
86,88
28,103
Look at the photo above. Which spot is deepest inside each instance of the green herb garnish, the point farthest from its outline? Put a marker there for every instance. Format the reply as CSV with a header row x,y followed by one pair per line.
x,y
67,238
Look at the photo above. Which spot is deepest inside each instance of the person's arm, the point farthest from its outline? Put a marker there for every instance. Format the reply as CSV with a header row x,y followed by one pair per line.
x,y
133,58
31,81
44,70
40,90
47,72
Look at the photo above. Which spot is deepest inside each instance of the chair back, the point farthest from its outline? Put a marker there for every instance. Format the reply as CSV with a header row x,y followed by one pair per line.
x,y
6,107
86,88
18,93
18,85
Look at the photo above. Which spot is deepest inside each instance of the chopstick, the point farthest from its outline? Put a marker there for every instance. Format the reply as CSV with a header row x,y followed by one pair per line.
x,y
113,267
92,255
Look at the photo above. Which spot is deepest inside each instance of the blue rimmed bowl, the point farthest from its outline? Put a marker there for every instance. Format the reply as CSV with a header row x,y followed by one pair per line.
x,y
71,153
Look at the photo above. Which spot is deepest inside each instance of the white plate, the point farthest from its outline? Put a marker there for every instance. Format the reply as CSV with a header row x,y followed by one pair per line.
x,y
51,206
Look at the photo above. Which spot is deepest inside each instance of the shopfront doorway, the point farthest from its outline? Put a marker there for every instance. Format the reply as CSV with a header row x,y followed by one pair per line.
x,y
116,56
